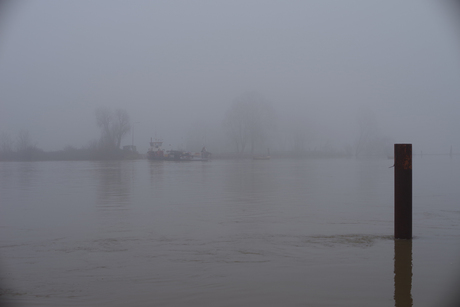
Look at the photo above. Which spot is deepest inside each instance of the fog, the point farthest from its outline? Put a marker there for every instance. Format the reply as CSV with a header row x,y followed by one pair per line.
x,y
177,65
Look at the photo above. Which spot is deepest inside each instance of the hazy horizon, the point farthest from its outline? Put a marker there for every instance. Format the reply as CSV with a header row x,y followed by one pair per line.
x,y
171,65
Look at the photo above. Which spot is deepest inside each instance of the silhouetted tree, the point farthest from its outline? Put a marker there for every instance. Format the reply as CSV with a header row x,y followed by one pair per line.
x,y
298,135
249,120
6,147
25,148
120,126
104,120
6,143
114,126
23,141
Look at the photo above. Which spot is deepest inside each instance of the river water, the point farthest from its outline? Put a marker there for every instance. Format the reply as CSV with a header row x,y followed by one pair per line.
x,y
279,232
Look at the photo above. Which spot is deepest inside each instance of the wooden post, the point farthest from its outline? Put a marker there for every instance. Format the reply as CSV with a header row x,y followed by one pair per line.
x,y
403,191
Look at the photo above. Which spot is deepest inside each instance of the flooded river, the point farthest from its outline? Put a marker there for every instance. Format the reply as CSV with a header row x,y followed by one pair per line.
x,y
313,232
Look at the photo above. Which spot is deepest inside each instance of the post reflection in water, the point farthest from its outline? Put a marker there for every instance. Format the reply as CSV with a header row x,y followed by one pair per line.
x,y
403,273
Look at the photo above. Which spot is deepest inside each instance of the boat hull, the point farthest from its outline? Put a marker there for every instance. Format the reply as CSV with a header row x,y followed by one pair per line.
x,y
175,155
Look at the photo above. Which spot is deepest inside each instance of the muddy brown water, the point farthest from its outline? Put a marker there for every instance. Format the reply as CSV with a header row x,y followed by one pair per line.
x,y
279,232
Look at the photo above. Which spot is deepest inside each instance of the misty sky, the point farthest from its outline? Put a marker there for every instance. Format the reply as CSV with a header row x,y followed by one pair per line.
x,y
174,63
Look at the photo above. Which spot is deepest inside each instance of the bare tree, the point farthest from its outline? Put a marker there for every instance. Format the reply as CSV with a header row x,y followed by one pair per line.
x,y
299,137
24,142
6,143
120,125
104,120
249,120
114,126
25,148
235,126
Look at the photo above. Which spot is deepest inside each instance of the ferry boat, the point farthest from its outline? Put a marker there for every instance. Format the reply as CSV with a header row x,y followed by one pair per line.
x,y
156,152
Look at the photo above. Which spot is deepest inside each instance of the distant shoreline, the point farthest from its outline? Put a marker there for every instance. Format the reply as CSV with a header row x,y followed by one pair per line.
x,y
83,155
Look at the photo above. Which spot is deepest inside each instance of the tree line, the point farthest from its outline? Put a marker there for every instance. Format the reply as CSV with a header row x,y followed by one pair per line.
x,y
113,125
249,126
249,122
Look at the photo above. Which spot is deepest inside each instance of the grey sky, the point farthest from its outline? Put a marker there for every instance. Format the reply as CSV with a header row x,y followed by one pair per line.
x,y
173,63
